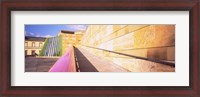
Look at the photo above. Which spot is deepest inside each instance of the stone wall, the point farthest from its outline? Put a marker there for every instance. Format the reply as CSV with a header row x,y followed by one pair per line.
x,y
70,39
155,42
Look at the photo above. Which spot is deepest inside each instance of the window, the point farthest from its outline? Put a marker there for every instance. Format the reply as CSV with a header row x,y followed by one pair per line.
x,y
33,52
33,44
40,44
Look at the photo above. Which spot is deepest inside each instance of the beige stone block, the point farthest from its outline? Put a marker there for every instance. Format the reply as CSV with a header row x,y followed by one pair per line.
x,y
122,30
108,45
155,36
115,55
109,30
171,53
129,29
138,65
132,64
103,31
108,38
124,42
118,27
132,28
157,53
137,52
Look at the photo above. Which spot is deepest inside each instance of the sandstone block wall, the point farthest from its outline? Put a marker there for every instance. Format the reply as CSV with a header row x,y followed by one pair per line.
x,y
145,41
69,40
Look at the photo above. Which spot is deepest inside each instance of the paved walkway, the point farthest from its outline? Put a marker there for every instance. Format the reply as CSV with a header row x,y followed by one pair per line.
x,y
89,62
34,64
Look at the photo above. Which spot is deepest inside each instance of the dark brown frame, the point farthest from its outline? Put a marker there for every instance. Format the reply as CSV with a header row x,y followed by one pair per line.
x,y
99,5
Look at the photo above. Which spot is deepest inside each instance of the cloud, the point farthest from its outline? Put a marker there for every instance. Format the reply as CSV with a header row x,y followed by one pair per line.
x,y
29,33
36,35
48,36
32,34
78,27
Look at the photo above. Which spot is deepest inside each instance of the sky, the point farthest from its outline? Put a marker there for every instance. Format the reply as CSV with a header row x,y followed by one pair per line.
x,y
50,30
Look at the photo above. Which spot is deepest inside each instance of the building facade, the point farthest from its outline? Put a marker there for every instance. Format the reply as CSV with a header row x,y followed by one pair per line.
x,y
144,42
33,45
70,38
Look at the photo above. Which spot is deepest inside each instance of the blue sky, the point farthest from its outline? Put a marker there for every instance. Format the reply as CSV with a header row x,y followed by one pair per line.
x,y
50,30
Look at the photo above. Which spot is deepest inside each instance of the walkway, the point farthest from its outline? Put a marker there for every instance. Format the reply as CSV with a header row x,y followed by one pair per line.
x,y
34,64
91,63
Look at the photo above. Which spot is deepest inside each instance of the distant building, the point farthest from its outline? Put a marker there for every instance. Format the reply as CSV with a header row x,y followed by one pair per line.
x,y
33,45
70,38
52,46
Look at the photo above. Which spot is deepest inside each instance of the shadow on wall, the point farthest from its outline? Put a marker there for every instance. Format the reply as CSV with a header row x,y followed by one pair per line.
x,y
84,63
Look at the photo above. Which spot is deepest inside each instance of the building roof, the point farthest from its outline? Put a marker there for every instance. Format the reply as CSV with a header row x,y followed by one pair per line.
x,y
67,32
30,38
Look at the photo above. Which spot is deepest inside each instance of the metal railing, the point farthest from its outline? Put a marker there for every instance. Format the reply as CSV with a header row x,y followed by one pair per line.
x,y
138,57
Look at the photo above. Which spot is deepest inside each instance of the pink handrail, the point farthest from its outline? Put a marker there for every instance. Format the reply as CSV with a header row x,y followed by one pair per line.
x,y
66,63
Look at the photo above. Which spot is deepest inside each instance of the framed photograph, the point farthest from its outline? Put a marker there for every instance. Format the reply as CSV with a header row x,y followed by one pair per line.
x,y
143,48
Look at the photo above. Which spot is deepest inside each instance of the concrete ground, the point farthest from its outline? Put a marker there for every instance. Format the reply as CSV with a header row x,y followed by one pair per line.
x,y
34,64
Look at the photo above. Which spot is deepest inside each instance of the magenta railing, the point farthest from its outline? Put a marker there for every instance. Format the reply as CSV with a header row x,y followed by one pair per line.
x,y
66,63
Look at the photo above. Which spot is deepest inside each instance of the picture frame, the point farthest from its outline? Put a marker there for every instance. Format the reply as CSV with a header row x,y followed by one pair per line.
x,y
193,90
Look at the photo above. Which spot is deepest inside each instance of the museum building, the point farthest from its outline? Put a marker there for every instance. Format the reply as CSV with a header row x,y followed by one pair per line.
x,y
33,45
